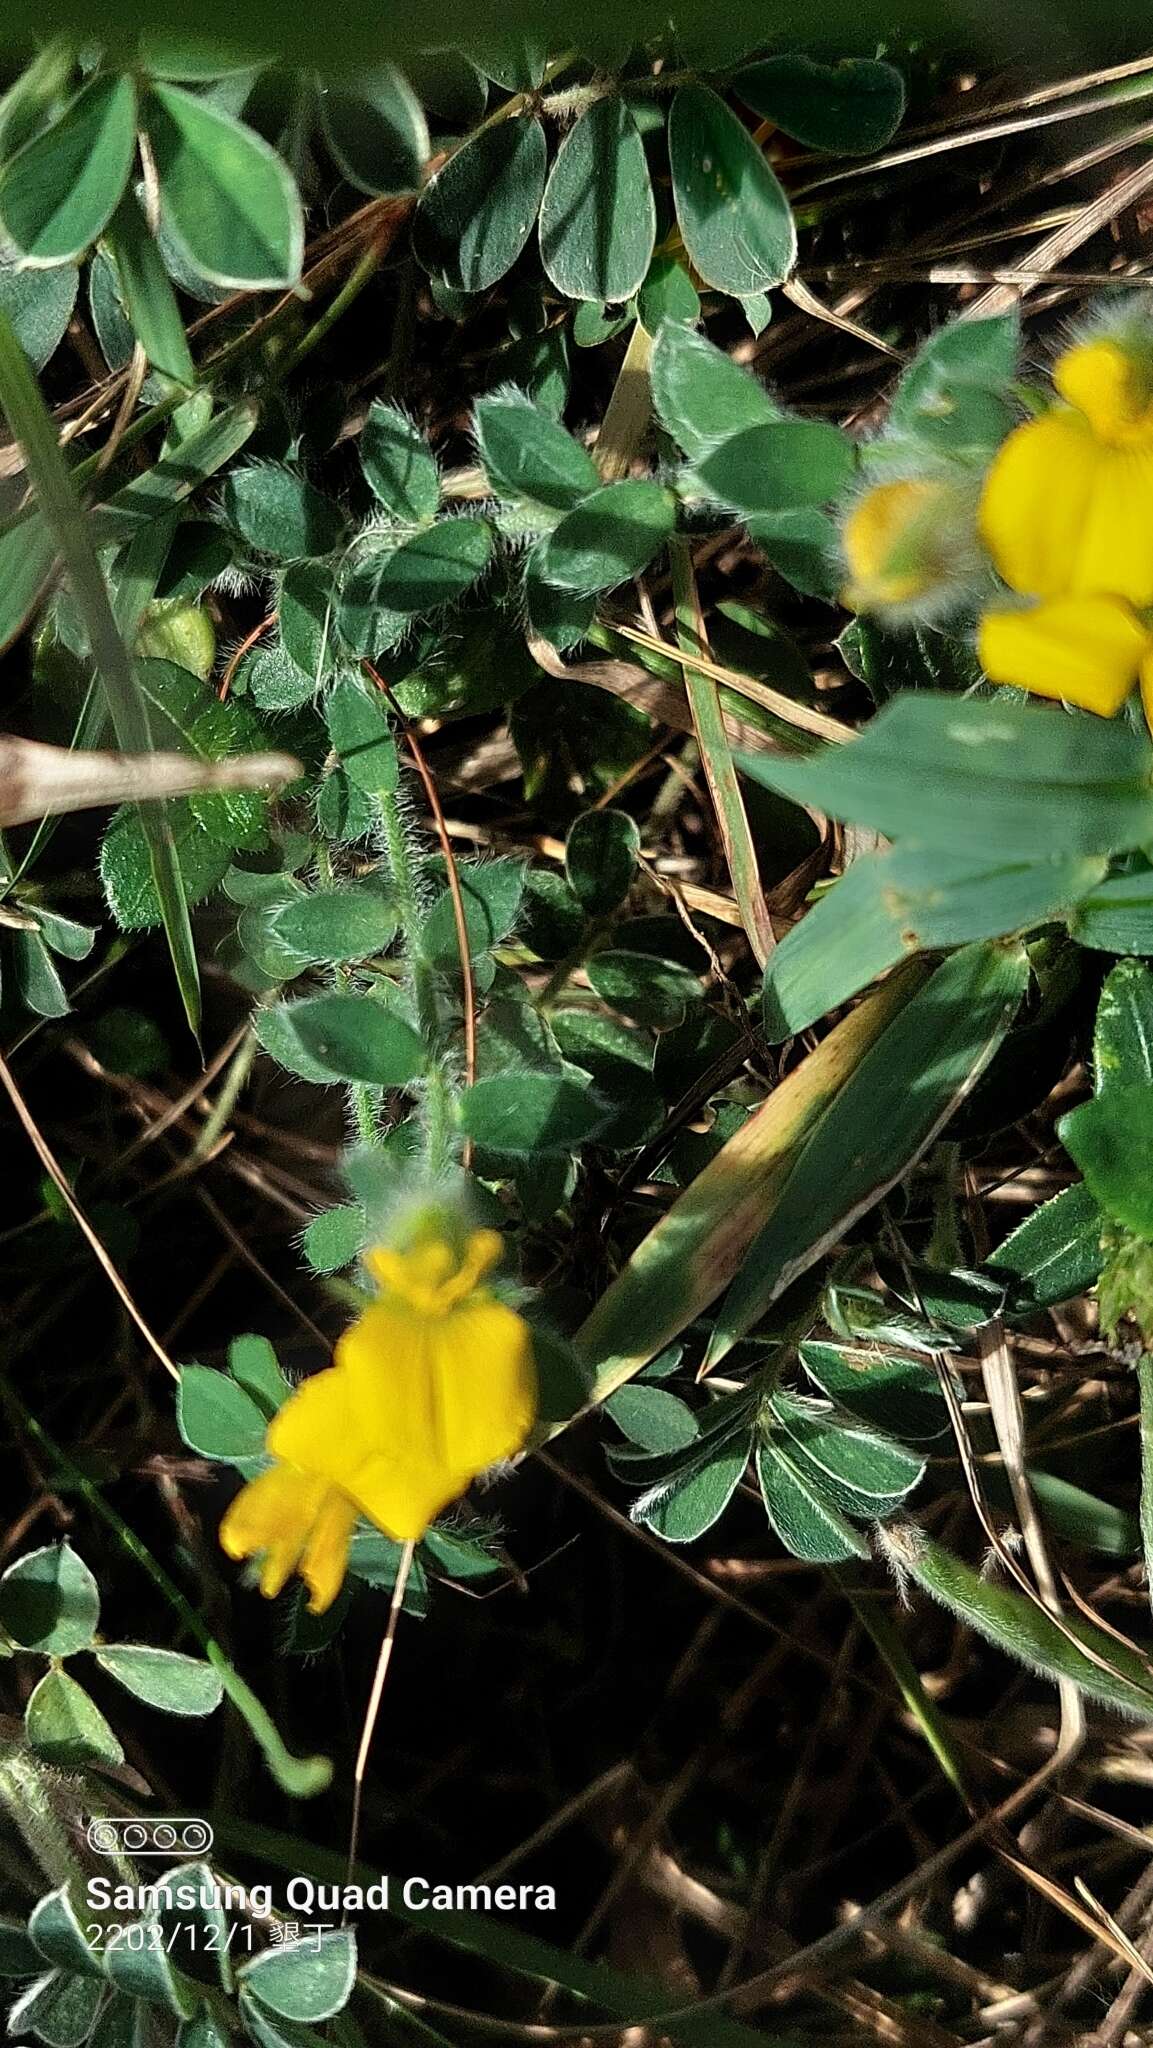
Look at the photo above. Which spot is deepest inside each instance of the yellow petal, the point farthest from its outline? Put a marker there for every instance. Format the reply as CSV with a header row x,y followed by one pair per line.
x,y
1110,385
431,1276
273,1514
437,1399
1086,650
325,1558
318,1430
483,1362
1115,550
1035,502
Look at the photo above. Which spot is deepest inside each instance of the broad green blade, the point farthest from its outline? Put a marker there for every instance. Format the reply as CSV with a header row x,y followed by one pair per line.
x,y
878,1124
693,1252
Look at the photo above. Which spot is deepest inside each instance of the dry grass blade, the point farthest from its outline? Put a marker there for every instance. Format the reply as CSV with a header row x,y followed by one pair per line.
x,y
38,781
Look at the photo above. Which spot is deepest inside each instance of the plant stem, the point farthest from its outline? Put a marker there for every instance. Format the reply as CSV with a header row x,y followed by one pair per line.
x,y
437,1096
300,1776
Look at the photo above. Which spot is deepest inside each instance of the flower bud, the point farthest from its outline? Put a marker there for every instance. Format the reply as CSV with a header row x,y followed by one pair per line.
x,y
910,548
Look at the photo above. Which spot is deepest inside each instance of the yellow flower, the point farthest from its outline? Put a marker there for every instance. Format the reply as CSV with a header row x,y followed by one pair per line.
x,y
1087,650
908,546
432,1383
1067,508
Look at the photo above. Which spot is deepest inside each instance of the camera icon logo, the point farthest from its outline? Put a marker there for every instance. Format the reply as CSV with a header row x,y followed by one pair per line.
x,y
122,1834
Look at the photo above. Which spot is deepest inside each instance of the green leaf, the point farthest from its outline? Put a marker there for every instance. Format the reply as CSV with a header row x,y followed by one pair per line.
x,y
65,1727
334,925
163,1678
598,218
610,537
688,1505
491,893
149,300
39,306
809,1525
55,1926
876,1126
1117,916
1055,1254
1123,1032
399,467
434,567
650,990
59,2009
915,658
562,617
267,2031
476,214
126,869
668,293
902,1395
779,467
802,547
41,988
848,109
342,1038
203,2030
307,1980
334,1239
253,1363
955,394
1111,1139
197,1937
886,905
1017,779
653,1418
217,1418
1022,1628
273,680
600,859
123,2023
375,127
528,457
59,192
702,396
734,218
510,58
143,1969
517,1115
229,202
305,611
279,513
49,1601
861,1473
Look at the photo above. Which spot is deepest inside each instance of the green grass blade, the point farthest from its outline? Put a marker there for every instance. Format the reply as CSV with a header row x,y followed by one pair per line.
x,y
31,423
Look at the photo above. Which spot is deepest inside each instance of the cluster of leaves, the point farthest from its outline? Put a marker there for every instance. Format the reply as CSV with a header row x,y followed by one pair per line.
x,y
393,588
50,1608
171,1973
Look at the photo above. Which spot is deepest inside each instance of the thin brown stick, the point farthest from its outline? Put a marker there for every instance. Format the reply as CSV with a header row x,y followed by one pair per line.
x,y
372,1711
52,1167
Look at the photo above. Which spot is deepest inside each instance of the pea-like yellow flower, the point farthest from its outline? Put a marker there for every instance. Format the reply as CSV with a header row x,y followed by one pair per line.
x,y
1067,507
908,546
1086,650
433,1382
